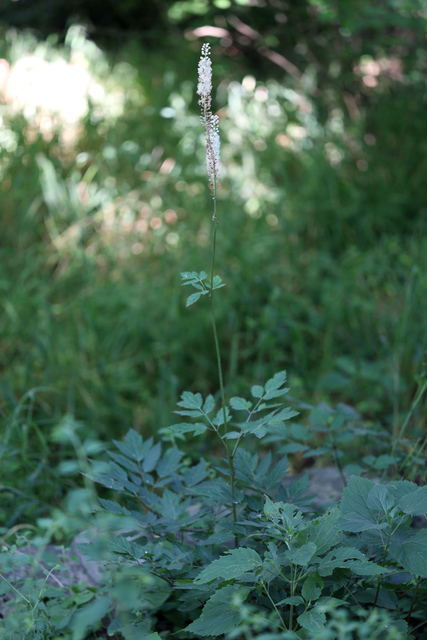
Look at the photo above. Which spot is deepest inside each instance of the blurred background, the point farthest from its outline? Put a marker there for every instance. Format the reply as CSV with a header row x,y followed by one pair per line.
x,y
104,201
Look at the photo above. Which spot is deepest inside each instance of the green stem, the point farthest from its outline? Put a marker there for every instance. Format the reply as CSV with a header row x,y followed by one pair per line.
x,y
379,579
291,614
417,399
414,597
218,357
16,590
266,590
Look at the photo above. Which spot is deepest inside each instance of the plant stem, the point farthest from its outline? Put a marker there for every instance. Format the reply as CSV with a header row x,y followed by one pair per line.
x,y
218,357
418,396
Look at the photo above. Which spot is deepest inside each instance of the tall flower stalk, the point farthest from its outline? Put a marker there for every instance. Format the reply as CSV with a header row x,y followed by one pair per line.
x,y
210,124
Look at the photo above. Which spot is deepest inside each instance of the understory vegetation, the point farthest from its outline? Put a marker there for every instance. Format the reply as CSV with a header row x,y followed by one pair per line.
x,y
171,446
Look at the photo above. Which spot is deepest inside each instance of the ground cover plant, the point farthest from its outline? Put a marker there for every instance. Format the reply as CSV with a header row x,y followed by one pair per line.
x,y
221,547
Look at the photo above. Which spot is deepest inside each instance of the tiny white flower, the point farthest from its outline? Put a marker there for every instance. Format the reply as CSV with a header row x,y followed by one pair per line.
x,y
204,86
210,122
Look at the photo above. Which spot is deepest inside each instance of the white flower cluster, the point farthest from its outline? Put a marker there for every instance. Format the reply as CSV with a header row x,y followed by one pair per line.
x,y
209,121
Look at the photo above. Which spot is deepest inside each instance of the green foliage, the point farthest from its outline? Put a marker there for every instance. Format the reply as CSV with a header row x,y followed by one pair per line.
x,y
292,574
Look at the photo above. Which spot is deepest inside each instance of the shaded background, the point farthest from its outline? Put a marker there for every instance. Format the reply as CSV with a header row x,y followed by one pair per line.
x,y
104,200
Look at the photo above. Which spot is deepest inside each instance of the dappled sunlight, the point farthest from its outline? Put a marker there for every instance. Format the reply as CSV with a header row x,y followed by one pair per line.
x,y
56,89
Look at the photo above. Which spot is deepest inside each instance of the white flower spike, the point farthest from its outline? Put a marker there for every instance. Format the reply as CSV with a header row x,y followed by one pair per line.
x,y
210,122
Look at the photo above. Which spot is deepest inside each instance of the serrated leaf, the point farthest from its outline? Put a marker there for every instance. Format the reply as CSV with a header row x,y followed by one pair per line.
x,y
401,488
133,446
312,620
276,381
127,547
264,465
113,507
189,275
257,391
348,558
379,499
209,405
301,555
414,503
232,565
197,428
323,532
170,462
219,418
276,474
219,615
123,461
196,474
193,298
356,513
412,552
152,458
312,587
190,400
240,404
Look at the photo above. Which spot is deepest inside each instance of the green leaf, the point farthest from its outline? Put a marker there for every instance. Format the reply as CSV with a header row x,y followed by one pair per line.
x,y
169,462
220,613
294,600
312,587
87,616
196,474
414,503
349,558
312,620
126,547
338,421
217,282
193,298
383,462
320,416
232,565
133,446
293,447
257,391
188,427
323,532
209,405
412,553
192,401
379,499
152,458
240,404
276,381
189,275
124,461
400,488
358,512
301,555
